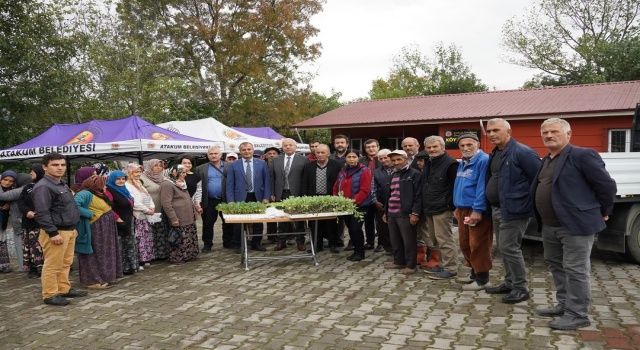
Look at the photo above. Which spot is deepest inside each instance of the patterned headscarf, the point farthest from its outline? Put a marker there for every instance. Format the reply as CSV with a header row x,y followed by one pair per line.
x,y
131,167
94,184
111,184
148,171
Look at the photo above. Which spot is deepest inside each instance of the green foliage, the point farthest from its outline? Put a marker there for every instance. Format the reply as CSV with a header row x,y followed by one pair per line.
x,y
415,75
575,42
75,60
242,208
319,204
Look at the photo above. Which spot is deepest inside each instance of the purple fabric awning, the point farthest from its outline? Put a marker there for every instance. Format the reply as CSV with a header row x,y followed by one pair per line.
x,y
264,132
107,138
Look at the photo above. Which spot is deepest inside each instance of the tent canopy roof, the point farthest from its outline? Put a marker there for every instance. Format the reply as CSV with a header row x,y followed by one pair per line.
x,y
129,137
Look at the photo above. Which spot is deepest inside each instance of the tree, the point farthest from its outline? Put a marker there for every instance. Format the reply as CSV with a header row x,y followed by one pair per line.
x,y
574,42
236,54
415,75
36,76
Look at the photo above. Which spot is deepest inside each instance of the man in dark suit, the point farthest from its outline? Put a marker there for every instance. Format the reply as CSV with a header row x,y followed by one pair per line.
x,y
317,180
248,181
286,174
574,197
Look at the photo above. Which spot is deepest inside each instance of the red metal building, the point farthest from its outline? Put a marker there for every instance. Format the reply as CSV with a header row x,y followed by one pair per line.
x,y
600,115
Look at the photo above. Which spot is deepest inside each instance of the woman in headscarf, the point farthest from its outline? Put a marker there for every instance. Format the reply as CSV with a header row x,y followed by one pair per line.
x,y
123,207
143,208
99,261
82,174
7,194
32,255
151,179
181,214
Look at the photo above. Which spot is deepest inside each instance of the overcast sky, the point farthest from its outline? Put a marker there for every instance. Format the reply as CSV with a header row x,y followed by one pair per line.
x,y
360,38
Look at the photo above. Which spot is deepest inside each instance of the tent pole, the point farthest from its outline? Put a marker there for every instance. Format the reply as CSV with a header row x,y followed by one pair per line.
x,y
140,157
68,170
299,137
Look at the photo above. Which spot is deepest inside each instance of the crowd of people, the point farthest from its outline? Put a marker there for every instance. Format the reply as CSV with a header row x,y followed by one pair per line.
x,y
118,224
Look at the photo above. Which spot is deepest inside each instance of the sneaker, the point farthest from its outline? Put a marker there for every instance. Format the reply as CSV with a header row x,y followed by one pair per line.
x,y
147,264
432,270
443,275
569,323
475,286
465,279
140,268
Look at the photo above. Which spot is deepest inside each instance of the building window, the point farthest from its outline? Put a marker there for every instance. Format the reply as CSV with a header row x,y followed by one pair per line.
x,y
619,140
392,143
356,144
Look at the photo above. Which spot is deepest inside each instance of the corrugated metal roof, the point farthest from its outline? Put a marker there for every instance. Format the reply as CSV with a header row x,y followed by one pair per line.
x,y
588,98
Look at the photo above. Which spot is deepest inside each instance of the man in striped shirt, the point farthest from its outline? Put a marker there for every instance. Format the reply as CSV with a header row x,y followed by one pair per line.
x,y
403,207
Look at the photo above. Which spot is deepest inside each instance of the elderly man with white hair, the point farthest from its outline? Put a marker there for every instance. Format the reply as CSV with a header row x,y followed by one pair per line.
x,y
437,209
286,174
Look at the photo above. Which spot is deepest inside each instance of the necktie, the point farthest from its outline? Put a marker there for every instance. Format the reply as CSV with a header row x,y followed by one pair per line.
x,y
287,168
248,176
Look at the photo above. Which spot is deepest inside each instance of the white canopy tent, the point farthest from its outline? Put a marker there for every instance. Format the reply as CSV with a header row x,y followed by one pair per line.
x,y
211,129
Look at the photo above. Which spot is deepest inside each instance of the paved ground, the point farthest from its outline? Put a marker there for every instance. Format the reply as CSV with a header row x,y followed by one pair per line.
x,y
214,303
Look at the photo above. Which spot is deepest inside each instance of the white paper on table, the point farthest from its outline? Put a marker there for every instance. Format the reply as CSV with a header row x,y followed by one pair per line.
x,y
273,212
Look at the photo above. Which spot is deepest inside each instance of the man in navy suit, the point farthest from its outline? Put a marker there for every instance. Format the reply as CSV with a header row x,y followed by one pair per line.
x,y
248,181
573,197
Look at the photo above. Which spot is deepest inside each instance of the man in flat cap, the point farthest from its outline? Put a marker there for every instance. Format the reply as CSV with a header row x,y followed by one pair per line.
x,y
475,228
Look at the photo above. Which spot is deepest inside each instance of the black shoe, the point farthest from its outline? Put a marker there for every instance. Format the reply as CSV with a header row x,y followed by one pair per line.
x,y
74,293
355,257
340,243
258,247
57,301
334,250
128,272
368,246
553,311
569,323
348,247
206,249
499,289
515,297
33,274
378,249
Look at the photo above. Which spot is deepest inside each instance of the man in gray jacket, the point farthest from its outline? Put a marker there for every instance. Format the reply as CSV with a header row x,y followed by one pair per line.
x,y
286,174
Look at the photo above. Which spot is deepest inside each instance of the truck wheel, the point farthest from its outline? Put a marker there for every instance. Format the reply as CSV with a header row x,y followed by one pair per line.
x,y
633,239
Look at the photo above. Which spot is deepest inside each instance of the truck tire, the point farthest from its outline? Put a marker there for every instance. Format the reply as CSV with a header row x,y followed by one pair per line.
x,y
633,239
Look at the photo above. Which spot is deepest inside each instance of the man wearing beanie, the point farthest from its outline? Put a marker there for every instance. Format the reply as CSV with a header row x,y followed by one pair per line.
x,y
474,221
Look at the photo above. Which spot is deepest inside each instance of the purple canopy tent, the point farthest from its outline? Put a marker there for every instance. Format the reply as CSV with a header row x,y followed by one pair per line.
x,y
264,132
130,137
